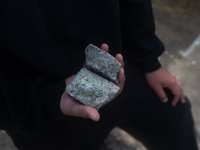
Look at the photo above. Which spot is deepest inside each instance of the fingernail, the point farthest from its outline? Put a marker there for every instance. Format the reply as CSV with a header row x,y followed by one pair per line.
x,y
165,100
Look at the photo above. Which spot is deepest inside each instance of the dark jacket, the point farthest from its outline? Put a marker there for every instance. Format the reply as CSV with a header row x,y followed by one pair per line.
x,y
42,43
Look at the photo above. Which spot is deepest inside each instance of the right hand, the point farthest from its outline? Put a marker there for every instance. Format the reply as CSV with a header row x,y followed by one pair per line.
x,y
71,107
162,78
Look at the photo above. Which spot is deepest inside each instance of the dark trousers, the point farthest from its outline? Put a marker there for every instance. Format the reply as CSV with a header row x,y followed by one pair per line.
x,y
159,126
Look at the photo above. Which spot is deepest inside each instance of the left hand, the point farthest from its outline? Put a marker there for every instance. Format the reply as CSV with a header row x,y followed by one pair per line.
x,y
71,107
162,78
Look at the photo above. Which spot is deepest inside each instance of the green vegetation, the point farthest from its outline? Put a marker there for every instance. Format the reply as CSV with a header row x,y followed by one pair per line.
x,y
169,9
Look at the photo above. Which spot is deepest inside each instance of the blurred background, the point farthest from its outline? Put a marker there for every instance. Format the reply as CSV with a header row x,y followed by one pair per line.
x,y
178,26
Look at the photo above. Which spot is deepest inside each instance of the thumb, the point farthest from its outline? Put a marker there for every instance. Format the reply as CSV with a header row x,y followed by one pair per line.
x,y
161,94
79,110
87,112
71,107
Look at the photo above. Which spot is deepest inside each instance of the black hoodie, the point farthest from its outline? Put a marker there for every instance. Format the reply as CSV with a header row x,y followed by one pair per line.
x,y
42,43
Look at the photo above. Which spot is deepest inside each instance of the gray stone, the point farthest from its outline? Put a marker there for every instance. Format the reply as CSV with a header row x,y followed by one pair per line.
x,y
91,89
102,63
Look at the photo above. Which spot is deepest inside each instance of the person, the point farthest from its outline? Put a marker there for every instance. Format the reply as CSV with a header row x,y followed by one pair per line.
x,y
42,47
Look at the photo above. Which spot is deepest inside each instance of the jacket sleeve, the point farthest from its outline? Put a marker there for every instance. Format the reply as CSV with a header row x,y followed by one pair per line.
x,y
32,73
139,42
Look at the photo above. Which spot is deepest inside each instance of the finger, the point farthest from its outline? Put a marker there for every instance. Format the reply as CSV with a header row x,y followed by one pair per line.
x,y
88,112
69,80
161,93
182,98
105,47
79,110
119,58
121,78
182,93
177,94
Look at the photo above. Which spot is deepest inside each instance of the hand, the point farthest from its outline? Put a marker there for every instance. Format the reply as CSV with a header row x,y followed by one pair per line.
x,y
162,78
71,107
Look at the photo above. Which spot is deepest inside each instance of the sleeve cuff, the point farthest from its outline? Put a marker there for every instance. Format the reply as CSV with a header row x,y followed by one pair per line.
x,y
150,66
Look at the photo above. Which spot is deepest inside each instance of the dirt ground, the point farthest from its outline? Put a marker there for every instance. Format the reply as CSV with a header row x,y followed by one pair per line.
x,y
177,25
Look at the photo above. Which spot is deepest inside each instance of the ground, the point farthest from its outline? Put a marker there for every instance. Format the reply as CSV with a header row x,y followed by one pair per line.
x,y
177,25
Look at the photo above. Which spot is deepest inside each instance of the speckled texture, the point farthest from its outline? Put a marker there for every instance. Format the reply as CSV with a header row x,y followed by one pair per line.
x,y
102,63
91,89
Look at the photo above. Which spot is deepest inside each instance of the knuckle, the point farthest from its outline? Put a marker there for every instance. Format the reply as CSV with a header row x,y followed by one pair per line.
x,y
173,82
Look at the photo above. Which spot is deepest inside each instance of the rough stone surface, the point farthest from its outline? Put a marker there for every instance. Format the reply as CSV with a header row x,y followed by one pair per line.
x,y
102,63
91,89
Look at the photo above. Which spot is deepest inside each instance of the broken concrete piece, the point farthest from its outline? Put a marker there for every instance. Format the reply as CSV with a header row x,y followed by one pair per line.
x,y
91,89
102,63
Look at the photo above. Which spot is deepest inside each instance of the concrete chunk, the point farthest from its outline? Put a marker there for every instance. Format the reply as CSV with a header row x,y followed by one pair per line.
x,y
91,89
102,63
